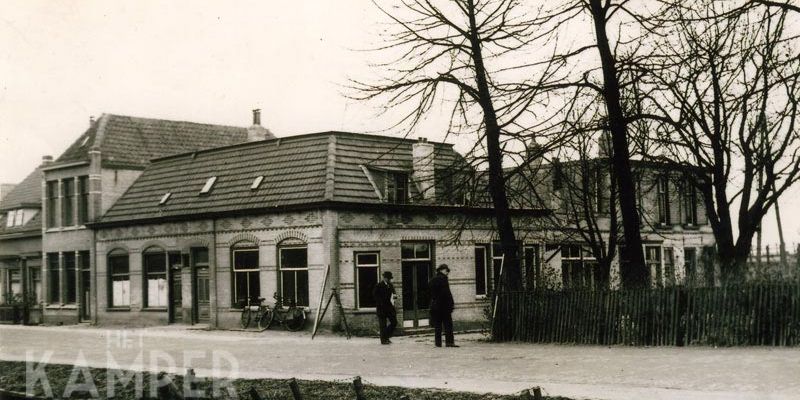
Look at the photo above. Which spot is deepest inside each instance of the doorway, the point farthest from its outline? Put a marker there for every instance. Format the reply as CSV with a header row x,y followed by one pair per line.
x,y
417,270
175,288
201,286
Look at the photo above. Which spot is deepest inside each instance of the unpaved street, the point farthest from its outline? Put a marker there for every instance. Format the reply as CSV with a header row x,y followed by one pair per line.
x,y
572,371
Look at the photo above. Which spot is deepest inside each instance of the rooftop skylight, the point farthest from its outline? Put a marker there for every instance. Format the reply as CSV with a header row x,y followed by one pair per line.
x,y
257,182
209,184
164,198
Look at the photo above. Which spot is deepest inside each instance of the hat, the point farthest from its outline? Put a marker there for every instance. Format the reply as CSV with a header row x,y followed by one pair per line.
x,y
443,266
387,274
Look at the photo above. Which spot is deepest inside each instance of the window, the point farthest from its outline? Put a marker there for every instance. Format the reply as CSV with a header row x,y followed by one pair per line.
x,y
119,279
246,283
164,198
707,258
578,267
599,191
257,182
67,202
155,285
532,267
19,218
52,202
10,218
293,266
397,188
367,272
70,278
481,270
690,204
53,278
662,185
15,282
669,266
209,184
690,265
36,284
558,176
652,257
83,200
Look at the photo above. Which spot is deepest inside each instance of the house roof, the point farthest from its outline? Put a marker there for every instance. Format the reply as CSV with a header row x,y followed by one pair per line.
x,y
297,170
131,142
27,194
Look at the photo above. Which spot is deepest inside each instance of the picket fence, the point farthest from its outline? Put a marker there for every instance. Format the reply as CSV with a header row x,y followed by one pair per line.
x,y
763,314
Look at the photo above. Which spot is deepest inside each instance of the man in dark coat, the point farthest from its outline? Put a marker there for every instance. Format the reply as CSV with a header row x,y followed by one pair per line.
x,y
442,307
384,307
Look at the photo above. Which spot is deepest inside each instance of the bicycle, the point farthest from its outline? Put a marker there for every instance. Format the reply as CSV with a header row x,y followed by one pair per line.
x,y
293,318
259,312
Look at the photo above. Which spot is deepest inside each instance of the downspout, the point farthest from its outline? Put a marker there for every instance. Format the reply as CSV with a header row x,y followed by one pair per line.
x,y
213,275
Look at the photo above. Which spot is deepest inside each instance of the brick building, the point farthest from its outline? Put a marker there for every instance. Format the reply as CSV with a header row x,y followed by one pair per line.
x,y
88,178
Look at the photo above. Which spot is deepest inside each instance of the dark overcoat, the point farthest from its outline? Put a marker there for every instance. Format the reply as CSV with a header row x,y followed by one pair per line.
x,y
383,298
441,297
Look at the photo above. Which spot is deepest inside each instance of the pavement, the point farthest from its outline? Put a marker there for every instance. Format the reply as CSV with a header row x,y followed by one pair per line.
x,y
577,372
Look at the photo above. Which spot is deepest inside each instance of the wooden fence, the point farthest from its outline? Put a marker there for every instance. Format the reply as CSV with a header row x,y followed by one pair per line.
x,y
763,314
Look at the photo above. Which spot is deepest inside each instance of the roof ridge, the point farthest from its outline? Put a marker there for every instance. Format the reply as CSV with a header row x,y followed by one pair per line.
x,y
176,120
330,169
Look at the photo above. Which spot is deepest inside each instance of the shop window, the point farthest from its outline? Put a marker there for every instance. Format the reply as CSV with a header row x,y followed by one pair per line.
x,y
367,277
155,278
119,279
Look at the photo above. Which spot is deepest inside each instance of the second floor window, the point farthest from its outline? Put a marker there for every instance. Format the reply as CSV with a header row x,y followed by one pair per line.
x,y
52,201
83,200
690,205
397,188
67,202
662,200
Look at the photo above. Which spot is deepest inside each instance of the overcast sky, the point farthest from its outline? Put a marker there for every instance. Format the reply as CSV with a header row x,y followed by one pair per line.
x,y
63,62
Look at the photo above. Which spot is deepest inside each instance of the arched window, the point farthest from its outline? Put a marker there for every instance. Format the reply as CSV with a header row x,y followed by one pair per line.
x,y
119,279
246,279
154,266
293,270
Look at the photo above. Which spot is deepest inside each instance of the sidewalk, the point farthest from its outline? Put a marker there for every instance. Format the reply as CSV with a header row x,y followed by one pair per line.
x,y
572,371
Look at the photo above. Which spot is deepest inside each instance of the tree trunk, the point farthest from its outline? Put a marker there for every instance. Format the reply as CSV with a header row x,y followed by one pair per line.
x,y
633,274
512,276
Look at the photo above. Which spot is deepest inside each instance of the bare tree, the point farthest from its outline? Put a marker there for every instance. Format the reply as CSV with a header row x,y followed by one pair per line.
x,y
451,55
728,104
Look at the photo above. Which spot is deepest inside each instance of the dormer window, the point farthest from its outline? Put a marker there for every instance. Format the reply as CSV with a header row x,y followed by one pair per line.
x,y
164,198
10,218
209,184
397,187
257,182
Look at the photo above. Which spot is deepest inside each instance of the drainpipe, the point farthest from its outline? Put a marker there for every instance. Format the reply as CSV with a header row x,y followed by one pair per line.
x,y
212,256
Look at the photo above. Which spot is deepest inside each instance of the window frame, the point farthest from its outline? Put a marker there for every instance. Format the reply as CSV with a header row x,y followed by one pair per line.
x,y
662,200
281,271
486,276
690,205
146,274
53,285
357,267
397,187
657,275
70,277
83,200
52,195
68,202
234,271
118,254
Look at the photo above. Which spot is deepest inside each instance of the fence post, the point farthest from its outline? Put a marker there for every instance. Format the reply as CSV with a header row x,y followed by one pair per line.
x,y
295,389
358,387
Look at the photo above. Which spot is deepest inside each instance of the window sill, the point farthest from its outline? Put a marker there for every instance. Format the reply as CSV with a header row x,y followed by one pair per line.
x,y
363,311
480,297
154,309
691,227
70,306
65,229
118,309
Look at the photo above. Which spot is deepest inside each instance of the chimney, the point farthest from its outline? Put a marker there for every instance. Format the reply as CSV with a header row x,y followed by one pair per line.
x,y
533,155
423,157
257,132
91,120
47,160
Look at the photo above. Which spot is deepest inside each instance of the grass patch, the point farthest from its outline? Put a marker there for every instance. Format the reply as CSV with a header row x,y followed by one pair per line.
x,y
13,378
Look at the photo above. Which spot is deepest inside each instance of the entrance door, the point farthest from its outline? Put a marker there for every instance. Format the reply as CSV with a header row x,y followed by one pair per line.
x,y
202,294
417,270
175,295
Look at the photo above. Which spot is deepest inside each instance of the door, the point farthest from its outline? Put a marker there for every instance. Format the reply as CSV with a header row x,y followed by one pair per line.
x,y
175,287
85,286
417,270
202,295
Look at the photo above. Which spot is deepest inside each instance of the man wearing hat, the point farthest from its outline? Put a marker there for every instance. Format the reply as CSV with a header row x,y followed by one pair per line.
x,y
384,307
442,307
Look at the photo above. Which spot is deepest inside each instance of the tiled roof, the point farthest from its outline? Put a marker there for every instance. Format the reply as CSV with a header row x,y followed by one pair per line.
x,y
27,194
132,142
297,170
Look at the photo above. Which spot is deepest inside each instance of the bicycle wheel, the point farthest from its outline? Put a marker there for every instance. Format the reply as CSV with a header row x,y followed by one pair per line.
x,y
266,319
245,321
295,319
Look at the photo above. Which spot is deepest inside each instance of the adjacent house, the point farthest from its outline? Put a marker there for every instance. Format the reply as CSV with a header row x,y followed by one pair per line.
x,y
83,183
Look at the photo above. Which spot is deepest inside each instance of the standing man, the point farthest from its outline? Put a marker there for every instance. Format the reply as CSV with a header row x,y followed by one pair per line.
x,y
442,307
384,307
